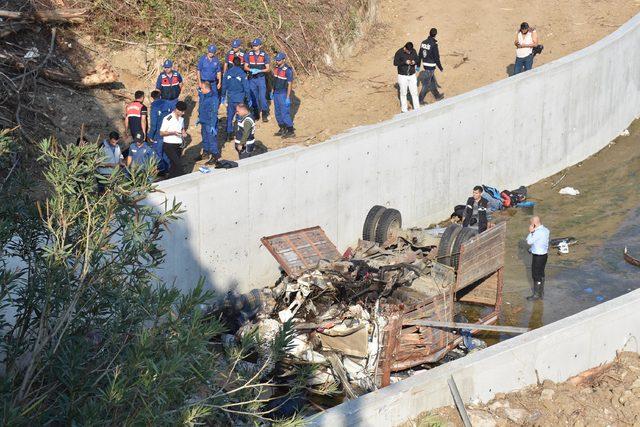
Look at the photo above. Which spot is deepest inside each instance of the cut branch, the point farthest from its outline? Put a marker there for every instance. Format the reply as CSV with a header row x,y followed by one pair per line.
x,y
57,16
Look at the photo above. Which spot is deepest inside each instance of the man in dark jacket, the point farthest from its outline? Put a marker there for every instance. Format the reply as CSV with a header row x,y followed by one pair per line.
x,y
430,58
407,61
476,210
235,90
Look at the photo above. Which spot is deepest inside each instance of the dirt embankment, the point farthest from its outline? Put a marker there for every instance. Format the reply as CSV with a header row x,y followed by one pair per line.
x,y
607,395
476,41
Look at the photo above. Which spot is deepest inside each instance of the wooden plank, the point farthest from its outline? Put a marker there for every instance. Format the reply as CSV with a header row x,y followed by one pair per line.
x,y
298,250
471,326
481,256
390,344
485,293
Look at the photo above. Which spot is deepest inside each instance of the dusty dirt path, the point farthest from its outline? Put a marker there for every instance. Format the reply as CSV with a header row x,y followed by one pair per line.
x,y
476,44
363,91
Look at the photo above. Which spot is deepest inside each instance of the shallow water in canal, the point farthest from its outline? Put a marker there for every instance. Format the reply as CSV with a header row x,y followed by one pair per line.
x,y
604,219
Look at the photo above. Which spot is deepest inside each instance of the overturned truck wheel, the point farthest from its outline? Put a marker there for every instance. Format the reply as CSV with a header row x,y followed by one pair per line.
x,y
371,222
389,225
464,236
446,243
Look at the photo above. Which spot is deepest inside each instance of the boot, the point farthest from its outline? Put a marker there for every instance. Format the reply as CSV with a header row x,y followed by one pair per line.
x,y
289,132
212,160
439,96
281,131
265,116
537,292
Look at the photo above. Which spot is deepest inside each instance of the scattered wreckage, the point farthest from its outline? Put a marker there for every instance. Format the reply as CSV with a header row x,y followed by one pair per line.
x,y
392,303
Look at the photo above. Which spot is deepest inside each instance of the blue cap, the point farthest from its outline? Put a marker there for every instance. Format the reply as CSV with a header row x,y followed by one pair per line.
x,y
256,42
167,64
212,48
280,56
236,43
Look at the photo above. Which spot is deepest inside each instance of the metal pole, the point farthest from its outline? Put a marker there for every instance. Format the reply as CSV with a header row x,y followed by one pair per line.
x,y
471,326
458,401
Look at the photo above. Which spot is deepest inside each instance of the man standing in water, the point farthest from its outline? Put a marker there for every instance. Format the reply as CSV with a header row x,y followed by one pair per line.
x,y
538,240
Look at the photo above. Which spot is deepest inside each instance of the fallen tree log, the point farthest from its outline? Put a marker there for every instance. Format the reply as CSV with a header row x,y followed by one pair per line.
x,y
57,16
101,75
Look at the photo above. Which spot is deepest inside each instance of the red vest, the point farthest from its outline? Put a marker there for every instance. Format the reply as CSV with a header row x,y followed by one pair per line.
x,y
231,54
134,109
257,60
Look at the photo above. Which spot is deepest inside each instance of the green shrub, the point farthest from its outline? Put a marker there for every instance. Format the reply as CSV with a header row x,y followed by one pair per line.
x,y
88,334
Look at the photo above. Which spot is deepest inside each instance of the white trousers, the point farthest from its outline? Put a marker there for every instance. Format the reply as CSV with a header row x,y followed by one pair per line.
x,y
409,83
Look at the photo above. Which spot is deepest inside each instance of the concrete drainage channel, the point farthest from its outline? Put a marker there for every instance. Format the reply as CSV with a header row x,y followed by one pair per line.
x,y
554,352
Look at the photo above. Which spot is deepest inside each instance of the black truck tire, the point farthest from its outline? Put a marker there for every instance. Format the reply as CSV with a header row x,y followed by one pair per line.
x,y
446,243
371,222
390,221
464,236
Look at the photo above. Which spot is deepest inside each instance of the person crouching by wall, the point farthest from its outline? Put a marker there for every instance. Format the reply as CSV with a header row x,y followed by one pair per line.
x,y
244,131
476,210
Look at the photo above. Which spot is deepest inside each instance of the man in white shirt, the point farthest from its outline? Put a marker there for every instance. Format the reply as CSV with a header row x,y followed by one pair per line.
x,y
526,40
172,132
538,240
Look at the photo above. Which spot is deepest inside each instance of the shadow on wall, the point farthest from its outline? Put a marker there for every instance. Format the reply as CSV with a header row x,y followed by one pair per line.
x,y
182,261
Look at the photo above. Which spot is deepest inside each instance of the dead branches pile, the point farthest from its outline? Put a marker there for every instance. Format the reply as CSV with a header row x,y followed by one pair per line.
x,y
28,66
306,31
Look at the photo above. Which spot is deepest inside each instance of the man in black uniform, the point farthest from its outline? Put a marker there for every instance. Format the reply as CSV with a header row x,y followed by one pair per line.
x,y
476,209
430,58
407,61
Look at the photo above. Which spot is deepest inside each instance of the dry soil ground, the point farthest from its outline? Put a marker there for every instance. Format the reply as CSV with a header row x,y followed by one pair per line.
x,y
476,42
608,395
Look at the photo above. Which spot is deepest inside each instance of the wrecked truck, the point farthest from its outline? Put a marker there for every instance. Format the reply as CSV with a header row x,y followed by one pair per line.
x,y
393,303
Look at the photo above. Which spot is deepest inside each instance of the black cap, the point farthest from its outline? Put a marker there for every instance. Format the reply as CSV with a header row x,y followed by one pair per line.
x,y
138,138
524,26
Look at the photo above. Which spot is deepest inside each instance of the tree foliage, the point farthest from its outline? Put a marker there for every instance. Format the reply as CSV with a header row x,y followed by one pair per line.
x,y
88,334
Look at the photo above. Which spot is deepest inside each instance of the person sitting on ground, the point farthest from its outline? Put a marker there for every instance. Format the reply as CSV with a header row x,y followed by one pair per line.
x,y
244,131
476,210
140,154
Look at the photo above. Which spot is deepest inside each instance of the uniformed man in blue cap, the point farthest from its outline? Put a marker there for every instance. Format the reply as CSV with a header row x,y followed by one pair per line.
x,y
235,89
169,83
140,154
257,63
160,108
208,120
282,83
236,51
209,69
